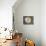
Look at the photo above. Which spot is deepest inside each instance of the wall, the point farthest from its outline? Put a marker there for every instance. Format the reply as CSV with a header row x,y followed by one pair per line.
x,y
29,8
43,22
6,16
6,13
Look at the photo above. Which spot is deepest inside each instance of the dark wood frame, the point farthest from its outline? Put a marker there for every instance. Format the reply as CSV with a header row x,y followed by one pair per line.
x,y
32,20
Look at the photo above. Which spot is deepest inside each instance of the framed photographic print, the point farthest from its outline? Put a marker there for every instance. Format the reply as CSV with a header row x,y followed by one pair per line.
x,y
28,19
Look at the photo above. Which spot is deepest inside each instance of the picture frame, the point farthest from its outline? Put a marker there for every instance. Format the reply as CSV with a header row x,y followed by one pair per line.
x,y
28,19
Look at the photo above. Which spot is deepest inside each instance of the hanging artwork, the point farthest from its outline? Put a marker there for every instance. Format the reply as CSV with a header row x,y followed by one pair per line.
x,y
28,20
